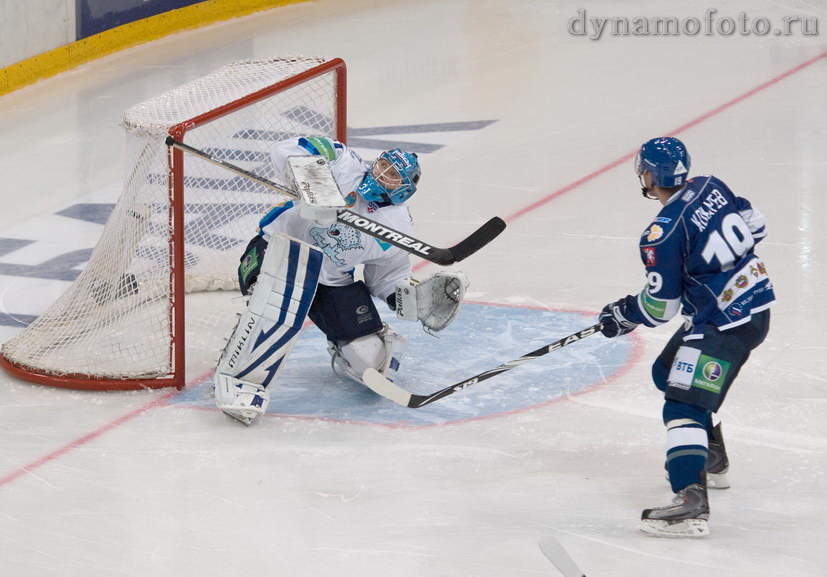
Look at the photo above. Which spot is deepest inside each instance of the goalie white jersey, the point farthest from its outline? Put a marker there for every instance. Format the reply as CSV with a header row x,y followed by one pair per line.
x,y
344,247
339,305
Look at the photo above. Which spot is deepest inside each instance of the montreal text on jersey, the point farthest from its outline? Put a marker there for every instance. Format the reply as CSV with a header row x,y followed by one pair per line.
x,y
384,233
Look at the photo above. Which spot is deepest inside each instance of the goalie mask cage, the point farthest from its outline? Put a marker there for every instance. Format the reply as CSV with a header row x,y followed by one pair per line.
x,y
180,224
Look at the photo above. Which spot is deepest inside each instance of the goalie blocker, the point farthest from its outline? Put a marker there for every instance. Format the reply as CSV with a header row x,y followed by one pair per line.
x,y
320,197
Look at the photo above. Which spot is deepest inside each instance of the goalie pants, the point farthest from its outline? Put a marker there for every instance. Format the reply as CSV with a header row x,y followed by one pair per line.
x,y
345,313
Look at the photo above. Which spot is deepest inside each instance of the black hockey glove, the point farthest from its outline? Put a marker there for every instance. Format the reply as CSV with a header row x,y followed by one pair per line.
x,y
614,318
251,263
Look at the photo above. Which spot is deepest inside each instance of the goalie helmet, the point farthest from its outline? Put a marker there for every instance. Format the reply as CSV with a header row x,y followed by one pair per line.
x,y
392,178
666,159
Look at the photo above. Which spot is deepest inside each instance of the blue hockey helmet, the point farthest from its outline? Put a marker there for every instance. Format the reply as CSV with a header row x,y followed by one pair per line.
x,y
392,177
667,160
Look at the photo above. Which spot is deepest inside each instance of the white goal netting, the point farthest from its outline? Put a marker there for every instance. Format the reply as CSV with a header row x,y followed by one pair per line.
x,y
179,218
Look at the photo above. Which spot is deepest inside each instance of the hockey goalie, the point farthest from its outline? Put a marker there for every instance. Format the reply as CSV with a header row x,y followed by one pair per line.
x,y
303,264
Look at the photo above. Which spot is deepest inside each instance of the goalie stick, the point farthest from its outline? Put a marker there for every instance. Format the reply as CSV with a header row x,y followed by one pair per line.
x,y
441,256
555,553
382,386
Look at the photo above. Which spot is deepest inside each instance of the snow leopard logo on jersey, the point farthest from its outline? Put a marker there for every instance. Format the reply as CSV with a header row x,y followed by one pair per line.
x,y
335,239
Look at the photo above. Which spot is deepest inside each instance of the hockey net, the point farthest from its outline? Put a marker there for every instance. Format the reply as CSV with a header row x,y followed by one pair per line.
x,y
179,225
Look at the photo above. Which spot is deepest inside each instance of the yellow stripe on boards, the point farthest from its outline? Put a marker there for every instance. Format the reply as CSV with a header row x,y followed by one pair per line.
x,y
59,60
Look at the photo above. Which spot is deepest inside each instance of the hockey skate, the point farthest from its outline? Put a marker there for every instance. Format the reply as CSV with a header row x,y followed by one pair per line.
x,y
687,516
717,462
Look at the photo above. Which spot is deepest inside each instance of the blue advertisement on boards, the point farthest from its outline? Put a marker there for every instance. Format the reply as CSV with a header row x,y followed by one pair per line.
x,y
95,16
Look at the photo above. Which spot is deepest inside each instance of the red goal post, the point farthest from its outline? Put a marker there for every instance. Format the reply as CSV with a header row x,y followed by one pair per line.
x,y
179,225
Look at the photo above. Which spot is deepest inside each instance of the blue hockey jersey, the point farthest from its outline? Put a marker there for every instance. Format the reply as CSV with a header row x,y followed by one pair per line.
x,y
700,260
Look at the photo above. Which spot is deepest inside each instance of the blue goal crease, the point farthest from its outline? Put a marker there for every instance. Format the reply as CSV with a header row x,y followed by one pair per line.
x,y
482,337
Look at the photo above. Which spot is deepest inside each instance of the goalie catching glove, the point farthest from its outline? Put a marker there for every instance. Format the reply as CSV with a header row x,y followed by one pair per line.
x,y
435,302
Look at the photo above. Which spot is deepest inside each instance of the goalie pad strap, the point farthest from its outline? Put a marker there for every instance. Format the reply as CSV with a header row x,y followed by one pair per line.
x,y
250,264
281,299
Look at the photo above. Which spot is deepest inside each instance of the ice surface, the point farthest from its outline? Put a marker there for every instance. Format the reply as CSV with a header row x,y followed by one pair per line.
x,y
512,116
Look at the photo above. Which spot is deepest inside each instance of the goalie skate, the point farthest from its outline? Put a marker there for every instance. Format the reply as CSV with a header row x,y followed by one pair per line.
x,y
687,516
241,401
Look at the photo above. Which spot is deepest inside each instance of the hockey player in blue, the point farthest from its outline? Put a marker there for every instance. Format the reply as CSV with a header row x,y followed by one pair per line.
x,y
699,254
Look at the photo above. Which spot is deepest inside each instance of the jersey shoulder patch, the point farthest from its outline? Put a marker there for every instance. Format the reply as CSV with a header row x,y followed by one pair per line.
x,y
658,230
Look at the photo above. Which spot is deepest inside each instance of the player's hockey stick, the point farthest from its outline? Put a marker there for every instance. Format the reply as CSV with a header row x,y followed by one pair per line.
x,y
441,256
555,553
382,386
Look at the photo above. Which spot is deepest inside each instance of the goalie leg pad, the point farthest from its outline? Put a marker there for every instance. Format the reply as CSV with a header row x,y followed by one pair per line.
x,y
242,401
395,347
382,351
268,329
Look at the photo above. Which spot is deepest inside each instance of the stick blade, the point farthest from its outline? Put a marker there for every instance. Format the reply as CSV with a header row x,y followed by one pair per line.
x,y
478,239
376,382
555,553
